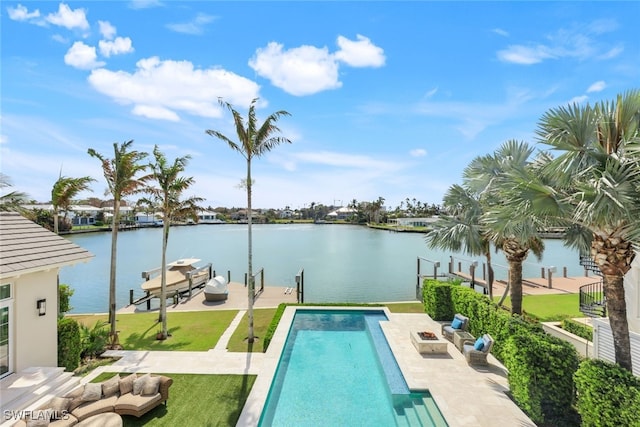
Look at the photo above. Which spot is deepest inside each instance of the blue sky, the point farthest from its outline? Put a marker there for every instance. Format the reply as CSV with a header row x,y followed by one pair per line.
x,y
387,99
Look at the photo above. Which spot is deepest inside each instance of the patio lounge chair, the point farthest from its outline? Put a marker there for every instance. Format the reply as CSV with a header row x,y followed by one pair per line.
x,y
476,353
459,323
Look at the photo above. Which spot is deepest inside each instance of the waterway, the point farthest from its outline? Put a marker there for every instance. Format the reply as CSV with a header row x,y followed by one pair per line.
x,y
342,263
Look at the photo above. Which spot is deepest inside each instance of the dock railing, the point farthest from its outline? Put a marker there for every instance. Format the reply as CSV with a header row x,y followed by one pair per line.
x,y
421,273
256,290
300,285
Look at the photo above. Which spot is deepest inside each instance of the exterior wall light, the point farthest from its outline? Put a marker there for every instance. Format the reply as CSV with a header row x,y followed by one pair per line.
x,y
41,306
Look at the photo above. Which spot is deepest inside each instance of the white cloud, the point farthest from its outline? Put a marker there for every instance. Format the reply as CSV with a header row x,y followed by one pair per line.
x,y
360,53
70,19
60,38
4,139
194,27
597,87
21,13
144,4
330,158
418,152
578,99
304,70
579,42
500,32
116,47
82,56
107,30
524,55
162,89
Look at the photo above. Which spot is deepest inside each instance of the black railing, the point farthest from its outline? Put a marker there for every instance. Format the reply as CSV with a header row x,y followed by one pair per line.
x,y
592,300
589,264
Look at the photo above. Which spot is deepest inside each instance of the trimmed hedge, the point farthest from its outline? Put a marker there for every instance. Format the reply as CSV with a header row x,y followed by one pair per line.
x,y
579,329
437,299
69,343
272,327
541,371
608,395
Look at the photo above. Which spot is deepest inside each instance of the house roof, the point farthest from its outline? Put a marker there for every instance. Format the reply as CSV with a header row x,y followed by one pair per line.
x,y
26,247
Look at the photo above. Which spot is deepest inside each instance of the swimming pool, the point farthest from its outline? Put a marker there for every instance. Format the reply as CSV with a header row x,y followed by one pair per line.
x,y
337,369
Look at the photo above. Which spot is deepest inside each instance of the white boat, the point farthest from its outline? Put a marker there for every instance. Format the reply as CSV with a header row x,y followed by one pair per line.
x,y
216,289
179,273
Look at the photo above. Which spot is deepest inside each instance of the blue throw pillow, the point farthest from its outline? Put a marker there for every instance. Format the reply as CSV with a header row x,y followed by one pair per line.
x,y
456,324
479,345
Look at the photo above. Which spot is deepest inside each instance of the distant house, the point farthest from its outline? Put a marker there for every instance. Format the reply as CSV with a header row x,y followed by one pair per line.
x,y
30,259
208,217
286,214
413,222
342,213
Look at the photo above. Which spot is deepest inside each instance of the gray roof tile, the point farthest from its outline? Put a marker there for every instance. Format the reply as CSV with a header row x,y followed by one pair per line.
x,y
26,247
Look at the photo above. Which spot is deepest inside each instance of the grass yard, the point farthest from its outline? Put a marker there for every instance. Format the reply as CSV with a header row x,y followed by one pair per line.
x,y
547,308
261,320
406,307
190,331
197,400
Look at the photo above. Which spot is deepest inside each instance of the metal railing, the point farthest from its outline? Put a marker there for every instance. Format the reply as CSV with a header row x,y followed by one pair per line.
x,y
593,302
256,290
300,285
589,264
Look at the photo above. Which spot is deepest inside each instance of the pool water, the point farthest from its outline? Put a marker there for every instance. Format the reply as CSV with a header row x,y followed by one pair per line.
x,y
337,369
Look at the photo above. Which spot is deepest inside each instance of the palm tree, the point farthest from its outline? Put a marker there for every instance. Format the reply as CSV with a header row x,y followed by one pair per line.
x,y
462,231
253,141
492,177
12,200
170,186
596,183
120,172
63,192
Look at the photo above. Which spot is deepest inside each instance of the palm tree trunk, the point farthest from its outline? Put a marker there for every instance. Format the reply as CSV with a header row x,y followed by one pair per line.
x,y
163,278
515,280
112,270
55,220
251,283
617,310
490,275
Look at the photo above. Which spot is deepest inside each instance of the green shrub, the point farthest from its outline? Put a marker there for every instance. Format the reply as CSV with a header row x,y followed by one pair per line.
x,y
272,326
93,340
69,346
579,329
65,293
541,371
608,395
436,296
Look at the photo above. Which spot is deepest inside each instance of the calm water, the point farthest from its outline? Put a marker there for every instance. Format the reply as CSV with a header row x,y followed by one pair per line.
x,y
342,263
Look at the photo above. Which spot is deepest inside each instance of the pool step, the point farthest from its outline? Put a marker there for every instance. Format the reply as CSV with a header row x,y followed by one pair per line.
x,y
395,380
417,410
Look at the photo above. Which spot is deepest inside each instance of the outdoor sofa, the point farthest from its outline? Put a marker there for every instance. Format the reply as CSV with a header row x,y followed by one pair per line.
x,y
134,394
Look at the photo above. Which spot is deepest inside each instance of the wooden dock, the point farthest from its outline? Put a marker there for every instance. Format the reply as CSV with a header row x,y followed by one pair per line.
x,y
270,297
538,285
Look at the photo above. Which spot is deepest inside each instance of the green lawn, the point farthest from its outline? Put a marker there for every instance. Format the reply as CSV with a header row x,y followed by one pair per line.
x,y
190,331
197,400
261,320
547,308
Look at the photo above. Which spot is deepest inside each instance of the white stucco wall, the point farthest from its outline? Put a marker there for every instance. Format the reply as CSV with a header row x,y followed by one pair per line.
x,y
35,338
632,295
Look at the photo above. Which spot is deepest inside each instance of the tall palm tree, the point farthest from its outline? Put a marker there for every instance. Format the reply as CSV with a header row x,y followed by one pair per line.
x,y
597,181
122,176
63,192
492,177
254,140
13,200
167,197
462,230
